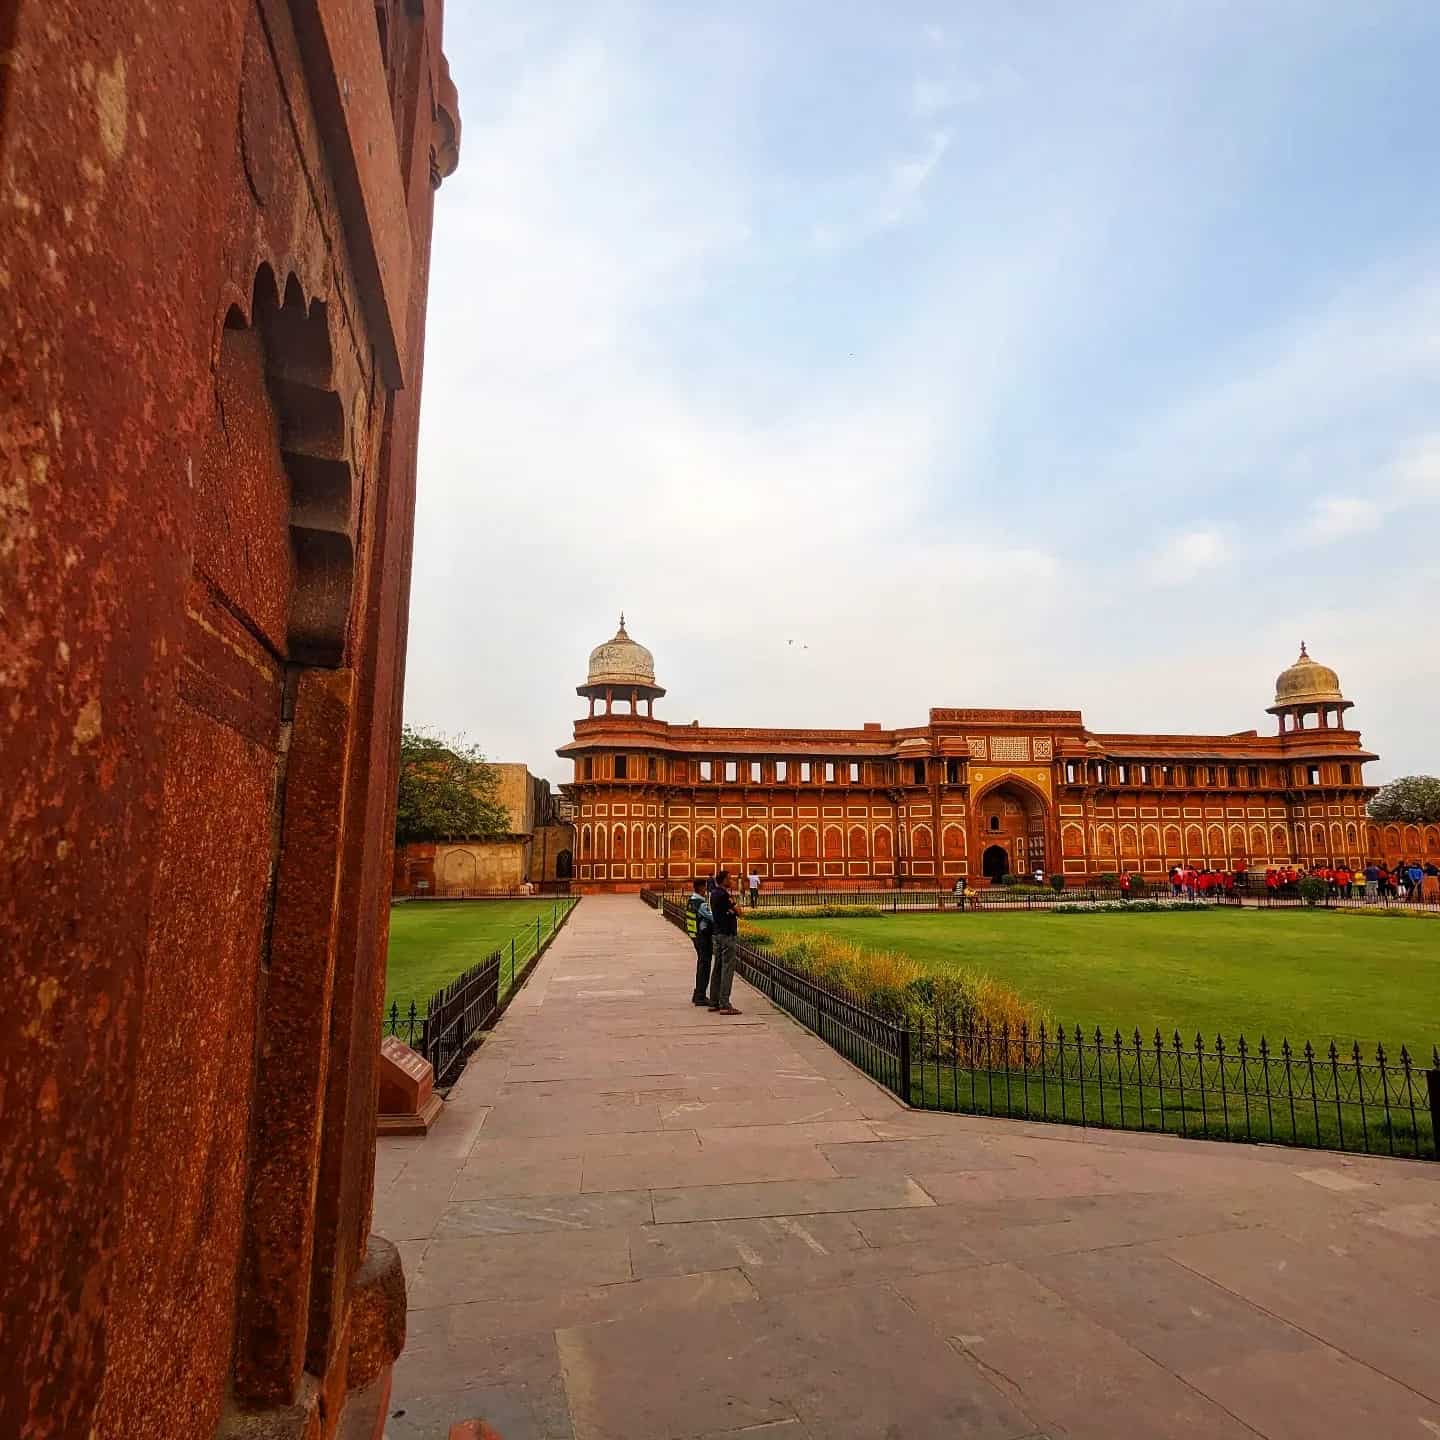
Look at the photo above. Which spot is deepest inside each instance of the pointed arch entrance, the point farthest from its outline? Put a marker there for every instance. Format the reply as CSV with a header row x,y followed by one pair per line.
x,y
1010,829
995,862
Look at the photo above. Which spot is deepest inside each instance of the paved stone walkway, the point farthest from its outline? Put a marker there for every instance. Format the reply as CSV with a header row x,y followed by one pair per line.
x,y
639,1221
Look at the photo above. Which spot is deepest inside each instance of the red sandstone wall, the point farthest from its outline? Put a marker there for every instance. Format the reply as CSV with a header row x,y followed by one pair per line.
x,y
209,373
1041,799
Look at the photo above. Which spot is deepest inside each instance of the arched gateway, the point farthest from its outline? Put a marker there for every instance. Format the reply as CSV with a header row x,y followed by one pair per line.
x,y
1010,820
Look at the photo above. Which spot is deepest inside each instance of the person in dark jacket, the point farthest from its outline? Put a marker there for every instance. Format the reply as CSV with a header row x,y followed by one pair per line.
x,y
722,970
700,926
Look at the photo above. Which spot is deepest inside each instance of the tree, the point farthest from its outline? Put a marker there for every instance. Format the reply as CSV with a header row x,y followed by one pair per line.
x,y
447,791
1414,798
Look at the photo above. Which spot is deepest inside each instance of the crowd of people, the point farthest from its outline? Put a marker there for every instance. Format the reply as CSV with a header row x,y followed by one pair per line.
x,y
1404,880
1198,883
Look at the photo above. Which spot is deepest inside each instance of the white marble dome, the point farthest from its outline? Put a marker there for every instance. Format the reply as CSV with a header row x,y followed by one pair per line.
x,y
620,662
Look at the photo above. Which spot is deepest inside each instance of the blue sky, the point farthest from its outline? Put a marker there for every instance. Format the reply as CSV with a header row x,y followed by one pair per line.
x,y
1068,355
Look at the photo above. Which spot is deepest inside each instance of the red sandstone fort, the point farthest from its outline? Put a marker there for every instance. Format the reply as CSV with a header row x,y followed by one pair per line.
x,y
974,793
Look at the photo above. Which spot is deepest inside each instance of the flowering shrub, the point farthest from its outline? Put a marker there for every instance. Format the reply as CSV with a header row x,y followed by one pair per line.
x,y
1129,907
898,987
822,912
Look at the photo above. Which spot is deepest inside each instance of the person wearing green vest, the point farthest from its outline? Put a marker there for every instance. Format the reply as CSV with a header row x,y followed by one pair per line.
x,y
700,927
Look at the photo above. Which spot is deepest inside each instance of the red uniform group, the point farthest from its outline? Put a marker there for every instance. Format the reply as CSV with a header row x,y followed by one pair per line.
x,y
1201,883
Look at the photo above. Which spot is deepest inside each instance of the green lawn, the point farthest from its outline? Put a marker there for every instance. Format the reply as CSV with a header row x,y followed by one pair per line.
x,y
432,941
1303,976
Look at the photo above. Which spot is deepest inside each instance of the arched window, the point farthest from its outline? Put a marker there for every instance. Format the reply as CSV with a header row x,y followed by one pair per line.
x,y
679,842
882,843
730,843
809,843
704,843
834,843
617,851
755,843
784,843
952,842
859,843
586,842
923,843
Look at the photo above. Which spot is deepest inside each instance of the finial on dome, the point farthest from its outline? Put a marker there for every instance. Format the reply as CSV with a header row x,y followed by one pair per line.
x,y
1304,653
621,635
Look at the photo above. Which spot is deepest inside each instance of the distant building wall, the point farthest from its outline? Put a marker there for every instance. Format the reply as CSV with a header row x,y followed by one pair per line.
x,y
531,853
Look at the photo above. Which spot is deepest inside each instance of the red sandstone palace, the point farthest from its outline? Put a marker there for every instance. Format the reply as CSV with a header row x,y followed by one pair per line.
x,y
978,793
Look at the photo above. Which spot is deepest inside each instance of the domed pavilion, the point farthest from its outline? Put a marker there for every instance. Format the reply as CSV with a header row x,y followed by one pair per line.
x,y
620,669
1308,688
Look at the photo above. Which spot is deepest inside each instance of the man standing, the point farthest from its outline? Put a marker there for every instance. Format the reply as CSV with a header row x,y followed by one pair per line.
x,y
1373,882
700,926
722,970
754,889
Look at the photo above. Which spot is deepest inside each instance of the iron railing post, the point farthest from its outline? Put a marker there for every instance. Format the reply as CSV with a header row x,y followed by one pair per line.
x,y
1432,1085
903,1089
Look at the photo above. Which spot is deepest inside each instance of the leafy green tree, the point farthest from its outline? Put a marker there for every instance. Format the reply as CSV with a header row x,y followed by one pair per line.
x,y
1414,798
447,791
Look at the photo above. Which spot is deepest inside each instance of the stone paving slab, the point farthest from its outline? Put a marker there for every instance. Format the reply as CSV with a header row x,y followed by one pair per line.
x,y
637,1219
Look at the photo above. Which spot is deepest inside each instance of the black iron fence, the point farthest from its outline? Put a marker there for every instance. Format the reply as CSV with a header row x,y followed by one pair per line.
x,y
1292,900
449,1025
1329,1097
1325,1097
995,897
1014,898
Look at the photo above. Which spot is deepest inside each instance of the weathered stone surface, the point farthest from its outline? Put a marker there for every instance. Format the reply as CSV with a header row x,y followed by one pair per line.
x,y
192,423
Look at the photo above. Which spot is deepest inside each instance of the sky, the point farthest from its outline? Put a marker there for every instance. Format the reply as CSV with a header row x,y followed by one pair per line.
x,y
1025,354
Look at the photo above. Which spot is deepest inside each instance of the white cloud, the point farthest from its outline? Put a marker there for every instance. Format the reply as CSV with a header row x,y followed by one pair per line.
x,y
930,97
908,177
1412,480
893,200
1418,473
1183,558
1337,517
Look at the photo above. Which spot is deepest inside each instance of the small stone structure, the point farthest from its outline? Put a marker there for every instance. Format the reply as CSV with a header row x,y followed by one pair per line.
x,y
537,849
